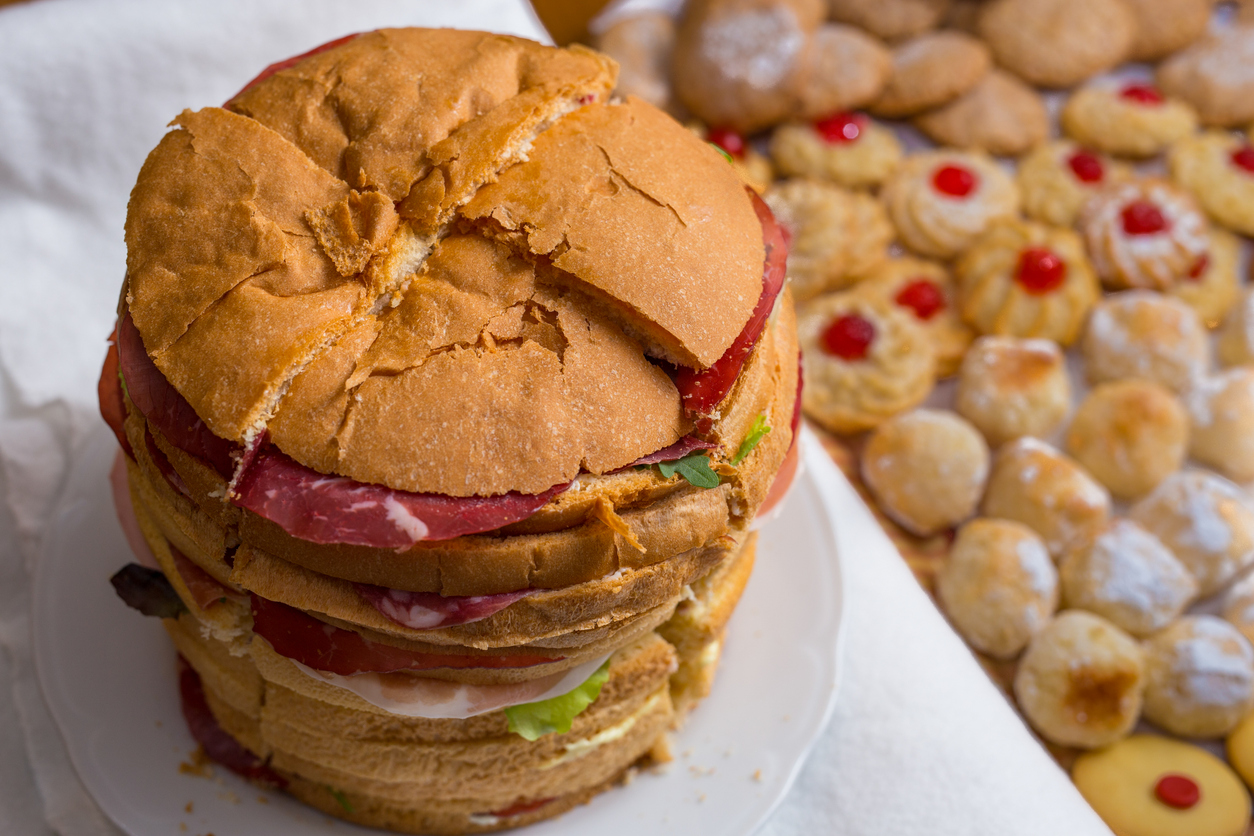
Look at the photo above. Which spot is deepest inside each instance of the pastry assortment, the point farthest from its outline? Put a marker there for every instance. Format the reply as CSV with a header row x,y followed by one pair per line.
x,y
1041,372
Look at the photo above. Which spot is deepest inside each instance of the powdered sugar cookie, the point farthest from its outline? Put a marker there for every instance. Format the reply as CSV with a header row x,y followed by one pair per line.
x,y
1010,387
1165,26
925,290
1237,607
1216,76
643,44
1000,115
847,148
1199,677
1218,169
998,586
930,70
1236,335
1212,287
1221,413
890,19
1143,334
1057,178
941,201
1057,43
845,69
1130,119
1023,279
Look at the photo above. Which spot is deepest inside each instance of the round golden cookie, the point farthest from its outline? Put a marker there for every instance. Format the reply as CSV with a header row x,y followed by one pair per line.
x,y
1166,26
845,68
1143,233
870,233
926,469
1000,115
925,290
1128,577
1237,607
1240,749
642,44
1080,681
1143,334
1057,43
998,586
1212,287
931,70
1236,335
1036,484
1128,119
1218,168
846,148
1221,415
1216,76
1010,388
1057,178
1199,677
864,361
1130,434
1023,279
1121,783
941,201
1206,521
890,19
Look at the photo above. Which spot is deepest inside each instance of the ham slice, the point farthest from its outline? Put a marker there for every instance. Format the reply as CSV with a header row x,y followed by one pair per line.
x,y
316,644
427,610
291,62
219,745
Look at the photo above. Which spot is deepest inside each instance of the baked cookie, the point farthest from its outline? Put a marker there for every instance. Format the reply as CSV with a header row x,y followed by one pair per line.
x,y
845,69
892,20
846,148
964,15
1128,577
1057,43
1240,749
643,45
1237,608
1000,115
941,201
930,70
753,169
1023,279
1036,484
1143,334
1218,169
1199,677
1080,681
1130,434
1212,287
926,291
926,469
1128,119
1206,521
1143,233
864,361
1057,178
1010,388
1147,785
1216,76
870,233
998,586
1221,416
1166,26
1236,335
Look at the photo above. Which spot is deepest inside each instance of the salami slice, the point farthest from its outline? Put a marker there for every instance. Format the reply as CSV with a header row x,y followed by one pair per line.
x,y
219,745
427,610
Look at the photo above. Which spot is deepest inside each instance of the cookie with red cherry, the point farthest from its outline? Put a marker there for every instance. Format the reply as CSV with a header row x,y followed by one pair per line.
x,y
925,290
754,169
1218,169
1059,177
848,148
1131,119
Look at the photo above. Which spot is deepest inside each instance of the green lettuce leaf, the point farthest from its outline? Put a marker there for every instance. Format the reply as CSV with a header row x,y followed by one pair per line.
x,y
695,467
533,720
756,433
719,149
122,380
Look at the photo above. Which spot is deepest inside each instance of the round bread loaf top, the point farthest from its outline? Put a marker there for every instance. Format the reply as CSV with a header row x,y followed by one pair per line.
x,y
441,261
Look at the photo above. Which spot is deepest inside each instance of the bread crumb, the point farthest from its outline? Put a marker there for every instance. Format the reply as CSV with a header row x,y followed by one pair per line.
x,y
757,775
188,808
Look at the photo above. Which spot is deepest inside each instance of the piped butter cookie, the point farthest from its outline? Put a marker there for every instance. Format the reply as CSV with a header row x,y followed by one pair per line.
x,y
846,148
1057,178
1218,169
925,290
1212,287
1129,119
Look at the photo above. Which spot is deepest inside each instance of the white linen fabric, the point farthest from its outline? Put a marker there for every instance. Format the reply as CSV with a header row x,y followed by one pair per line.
x,y
921,742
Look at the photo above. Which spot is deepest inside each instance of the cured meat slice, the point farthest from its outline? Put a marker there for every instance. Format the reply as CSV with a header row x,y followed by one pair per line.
x,y
678,450
303,638
109,393
219,745
163,464
205,590
427,610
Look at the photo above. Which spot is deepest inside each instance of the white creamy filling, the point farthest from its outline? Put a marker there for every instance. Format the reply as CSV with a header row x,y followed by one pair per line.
x,y
582,748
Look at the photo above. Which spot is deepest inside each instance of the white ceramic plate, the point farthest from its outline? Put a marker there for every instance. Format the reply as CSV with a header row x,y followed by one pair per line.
x,y
108,674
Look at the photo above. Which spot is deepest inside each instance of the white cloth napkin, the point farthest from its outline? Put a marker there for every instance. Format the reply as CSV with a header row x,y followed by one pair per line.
x,y
921,742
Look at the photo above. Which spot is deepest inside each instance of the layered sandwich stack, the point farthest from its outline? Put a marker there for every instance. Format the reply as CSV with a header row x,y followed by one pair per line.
x,y
448,388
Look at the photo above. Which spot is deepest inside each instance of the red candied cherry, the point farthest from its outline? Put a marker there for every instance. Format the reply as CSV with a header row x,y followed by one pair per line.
x,y
1141,217
955,180
1040,270
1086,166
1243,158
729,140
923,296
1179,791
1199,267
840,127
1143,94
849,337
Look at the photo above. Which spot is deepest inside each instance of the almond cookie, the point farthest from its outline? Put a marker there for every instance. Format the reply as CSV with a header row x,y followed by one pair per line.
x,y
941,201
926,469
1024,279
1010,387
864,362
930,70
1216,76
1035,484
925,290
1143,334
892,20
847,148
753,169
1146,785
1221,413
1129,119
1130,434
1212,287
643,45
1206,521
1057,178
998,586
1143,233
1057,43
845,68
1236,335
1218,168
1000,115
1166,26
1127,576
1080,681
1199,677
